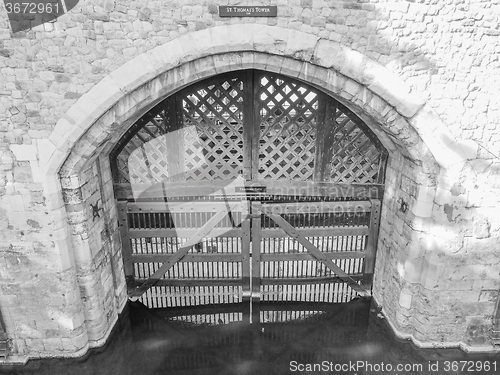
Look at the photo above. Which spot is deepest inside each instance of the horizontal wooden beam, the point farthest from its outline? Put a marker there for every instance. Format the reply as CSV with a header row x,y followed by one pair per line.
x,y
316,207
185,207
279,188
306,280
361,230
162,258
194,282
307,256
183,233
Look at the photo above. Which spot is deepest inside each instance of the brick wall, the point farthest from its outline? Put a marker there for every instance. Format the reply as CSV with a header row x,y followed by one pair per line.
x,y
423,75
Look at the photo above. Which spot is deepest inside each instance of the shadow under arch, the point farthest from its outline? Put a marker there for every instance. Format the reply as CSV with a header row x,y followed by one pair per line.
x,y
91,127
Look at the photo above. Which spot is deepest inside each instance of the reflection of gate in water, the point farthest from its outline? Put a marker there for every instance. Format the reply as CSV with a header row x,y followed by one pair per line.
x,y
285,332
248,185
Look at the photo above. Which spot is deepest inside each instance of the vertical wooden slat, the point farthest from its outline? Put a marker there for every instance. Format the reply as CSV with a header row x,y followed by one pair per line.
x,y
256,245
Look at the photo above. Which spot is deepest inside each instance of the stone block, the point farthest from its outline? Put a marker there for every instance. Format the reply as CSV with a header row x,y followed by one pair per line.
x,y
377,106
101,97
198,44
97,329
247,60
300,45
268,39
422,209
133,74
291,67
71,345
425,193
22,172
328,55
166,56
218,38
80,341
70,183
488,296
392,89
355,65
61,136
12,203
34,345
273,63
72,196
478,331
405,298
352,87
24,152
205,67
53,201
481,228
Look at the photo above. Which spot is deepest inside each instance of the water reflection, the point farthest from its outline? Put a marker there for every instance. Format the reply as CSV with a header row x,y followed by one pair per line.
x,y
286,338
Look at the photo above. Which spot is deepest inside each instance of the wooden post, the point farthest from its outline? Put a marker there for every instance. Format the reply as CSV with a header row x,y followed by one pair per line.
x,y
128,264
371,246
4,342
323,136
496,323
245,256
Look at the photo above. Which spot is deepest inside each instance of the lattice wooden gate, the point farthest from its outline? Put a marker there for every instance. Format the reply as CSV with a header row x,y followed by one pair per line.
x,y
299,220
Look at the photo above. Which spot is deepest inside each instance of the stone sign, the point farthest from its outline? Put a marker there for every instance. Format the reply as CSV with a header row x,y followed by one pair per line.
x,y
248,11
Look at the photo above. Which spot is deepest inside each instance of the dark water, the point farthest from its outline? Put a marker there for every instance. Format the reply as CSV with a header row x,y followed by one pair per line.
x,y
303,338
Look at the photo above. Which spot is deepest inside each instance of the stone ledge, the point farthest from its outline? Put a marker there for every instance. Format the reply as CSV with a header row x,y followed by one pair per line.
x,y
442,345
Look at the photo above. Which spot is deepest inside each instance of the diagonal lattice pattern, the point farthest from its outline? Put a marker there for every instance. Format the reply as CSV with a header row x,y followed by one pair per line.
x,y
353,156
216,112
133,163
288,122
270,126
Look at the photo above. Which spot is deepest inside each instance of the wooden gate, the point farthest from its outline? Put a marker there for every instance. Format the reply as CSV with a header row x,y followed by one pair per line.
x,y
220,252
186,253
301,217
314,251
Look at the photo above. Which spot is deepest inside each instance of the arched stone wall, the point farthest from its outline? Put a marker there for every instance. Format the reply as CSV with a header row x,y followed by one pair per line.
x,y
422,151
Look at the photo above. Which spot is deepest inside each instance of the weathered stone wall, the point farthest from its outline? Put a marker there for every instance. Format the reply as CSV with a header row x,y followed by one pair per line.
x,y
437,278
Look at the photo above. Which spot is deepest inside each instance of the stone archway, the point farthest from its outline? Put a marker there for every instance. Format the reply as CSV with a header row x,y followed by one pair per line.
x,y
420,146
